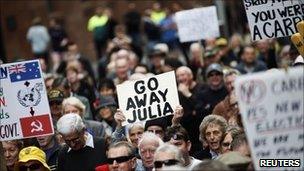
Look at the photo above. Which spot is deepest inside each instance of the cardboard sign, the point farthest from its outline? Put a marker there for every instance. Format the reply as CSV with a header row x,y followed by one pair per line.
x,y
197,24
24,107
271,104
273,18
148,98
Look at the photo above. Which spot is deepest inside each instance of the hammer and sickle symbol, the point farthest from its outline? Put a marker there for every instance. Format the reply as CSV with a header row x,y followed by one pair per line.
x,y
36,126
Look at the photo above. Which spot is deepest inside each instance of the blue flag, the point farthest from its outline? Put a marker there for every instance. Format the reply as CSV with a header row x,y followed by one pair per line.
x,y
24,71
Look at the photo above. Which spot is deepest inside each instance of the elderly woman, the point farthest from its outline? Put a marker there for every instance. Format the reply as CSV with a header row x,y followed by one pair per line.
x,y
74,105
11,150
212,130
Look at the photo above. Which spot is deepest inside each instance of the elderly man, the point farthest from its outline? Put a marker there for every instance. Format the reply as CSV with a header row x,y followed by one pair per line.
x,y
79,145
228,107
214,93
178,136
211,130
188,90
147,147
121,157
168,155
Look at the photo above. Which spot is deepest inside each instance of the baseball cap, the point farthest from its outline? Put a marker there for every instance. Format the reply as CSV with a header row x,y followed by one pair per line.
x,y
221,42
104,101
55,95
214,67
33,153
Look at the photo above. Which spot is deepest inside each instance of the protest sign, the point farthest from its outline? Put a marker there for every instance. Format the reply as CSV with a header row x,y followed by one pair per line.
x,y
273,18
271,104
148,98
197,24
24,107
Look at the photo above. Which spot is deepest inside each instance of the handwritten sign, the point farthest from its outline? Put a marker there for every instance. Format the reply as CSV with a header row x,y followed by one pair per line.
x,y
271,104
24,107
197,24
273,18
148,98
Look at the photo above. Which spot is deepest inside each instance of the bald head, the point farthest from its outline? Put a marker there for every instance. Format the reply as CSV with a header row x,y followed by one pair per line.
x,y
184,75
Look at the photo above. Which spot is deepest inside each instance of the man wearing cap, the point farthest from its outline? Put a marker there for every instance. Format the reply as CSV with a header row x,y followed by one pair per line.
x,y
55,97
82,151
178,136
214,93
32,158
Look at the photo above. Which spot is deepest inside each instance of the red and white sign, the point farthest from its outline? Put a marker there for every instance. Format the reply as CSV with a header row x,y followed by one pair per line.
x,y
36,125
24,107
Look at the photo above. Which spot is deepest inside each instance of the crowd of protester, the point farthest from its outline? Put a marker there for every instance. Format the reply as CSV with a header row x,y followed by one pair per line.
x,y
205,131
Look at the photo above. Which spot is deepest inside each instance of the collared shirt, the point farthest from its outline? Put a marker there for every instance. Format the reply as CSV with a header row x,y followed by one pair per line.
x,y
193,163
89,141
214,155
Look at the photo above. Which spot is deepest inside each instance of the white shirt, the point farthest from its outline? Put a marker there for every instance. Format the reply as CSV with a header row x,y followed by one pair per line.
x,y
193,163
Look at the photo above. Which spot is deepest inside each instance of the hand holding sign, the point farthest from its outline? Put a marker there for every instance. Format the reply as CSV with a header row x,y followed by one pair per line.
x,y
177,115
297,38
119,118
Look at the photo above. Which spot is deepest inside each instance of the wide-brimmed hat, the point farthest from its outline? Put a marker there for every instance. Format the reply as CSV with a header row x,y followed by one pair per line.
x,y
32,153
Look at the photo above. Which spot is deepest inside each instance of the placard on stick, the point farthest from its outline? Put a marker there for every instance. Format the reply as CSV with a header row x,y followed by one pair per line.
x,y
148,98
271,104
273,18
197,24
24,107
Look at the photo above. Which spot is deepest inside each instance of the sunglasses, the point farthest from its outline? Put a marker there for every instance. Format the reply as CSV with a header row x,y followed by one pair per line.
x,y
30,167
226,144
170,162
119,159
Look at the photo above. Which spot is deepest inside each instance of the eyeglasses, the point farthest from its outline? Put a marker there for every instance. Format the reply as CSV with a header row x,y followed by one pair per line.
x,y
214,74
120,159
33,167
74,140
170,162
156,131
226,144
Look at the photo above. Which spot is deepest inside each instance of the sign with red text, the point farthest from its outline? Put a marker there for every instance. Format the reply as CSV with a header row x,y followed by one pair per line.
x,y
24,107
273,18
271,104
197,24
148,98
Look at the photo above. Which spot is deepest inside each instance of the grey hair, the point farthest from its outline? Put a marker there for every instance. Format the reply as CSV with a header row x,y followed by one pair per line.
x,y
212,119
125,144
74,101
169,148
149,137
70,123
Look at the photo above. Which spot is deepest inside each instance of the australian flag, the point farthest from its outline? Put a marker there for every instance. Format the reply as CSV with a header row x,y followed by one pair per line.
x,y
24,71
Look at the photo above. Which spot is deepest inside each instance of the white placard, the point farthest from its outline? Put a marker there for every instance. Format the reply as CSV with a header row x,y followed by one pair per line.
x,y
273,18
197,24
148,98
271,104
24,107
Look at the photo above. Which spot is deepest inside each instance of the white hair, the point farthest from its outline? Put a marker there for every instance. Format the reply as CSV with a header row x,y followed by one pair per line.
x,y
149,137
74,101
195,46
70,123
172,149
